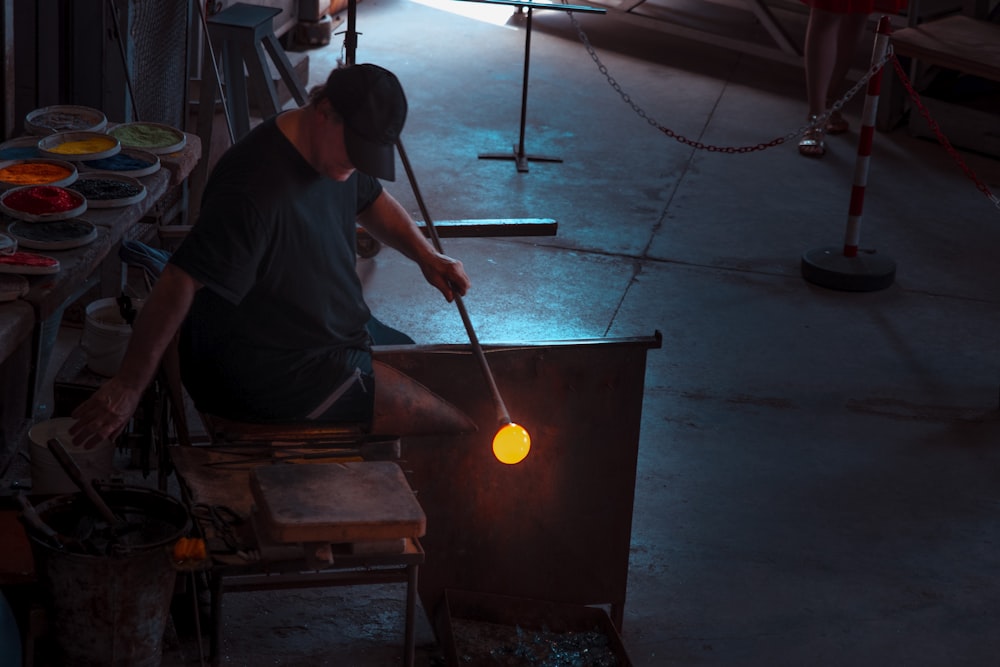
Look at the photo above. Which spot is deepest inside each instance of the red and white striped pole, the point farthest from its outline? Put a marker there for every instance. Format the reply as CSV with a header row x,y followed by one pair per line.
x,y
866,139
846,269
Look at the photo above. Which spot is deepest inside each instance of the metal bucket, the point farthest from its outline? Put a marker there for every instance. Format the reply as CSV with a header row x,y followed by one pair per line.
x,y
111,609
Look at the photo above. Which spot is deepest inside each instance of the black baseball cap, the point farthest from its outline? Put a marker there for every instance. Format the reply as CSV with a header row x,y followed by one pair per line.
x,y
370,99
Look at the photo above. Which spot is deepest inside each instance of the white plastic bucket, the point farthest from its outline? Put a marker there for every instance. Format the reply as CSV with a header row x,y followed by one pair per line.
x,y
47,475
105,335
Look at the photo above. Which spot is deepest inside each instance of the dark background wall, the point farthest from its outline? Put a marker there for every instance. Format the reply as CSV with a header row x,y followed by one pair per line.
x,y
89,52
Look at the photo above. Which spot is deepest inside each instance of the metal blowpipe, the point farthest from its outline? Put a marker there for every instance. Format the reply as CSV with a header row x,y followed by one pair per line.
x,y
502,415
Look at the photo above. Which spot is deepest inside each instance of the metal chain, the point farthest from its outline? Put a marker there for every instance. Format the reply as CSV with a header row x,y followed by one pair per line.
x,y
791,136
813,123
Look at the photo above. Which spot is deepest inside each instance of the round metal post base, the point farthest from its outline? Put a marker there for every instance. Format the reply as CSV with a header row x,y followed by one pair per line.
x,y
867,272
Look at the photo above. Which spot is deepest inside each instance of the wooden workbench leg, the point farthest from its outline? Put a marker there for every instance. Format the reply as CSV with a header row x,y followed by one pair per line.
x,y
285,69
411,616
215,622
209,94
235,82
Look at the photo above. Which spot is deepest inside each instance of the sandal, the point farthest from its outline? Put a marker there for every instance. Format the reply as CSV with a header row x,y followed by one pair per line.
x,y
811,144
836,123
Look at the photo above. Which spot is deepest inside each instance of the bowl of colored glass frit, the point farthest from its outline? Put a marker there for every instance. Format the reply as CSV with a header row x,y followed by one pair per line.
x,y
19,148
65,118
42,203
106,190
53,235
36,171
127,162
78,146
153,137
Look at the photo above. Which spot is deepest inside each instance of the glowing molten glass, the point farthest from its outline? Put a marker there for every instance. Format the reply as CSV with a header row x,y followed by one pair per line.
x,y
511,444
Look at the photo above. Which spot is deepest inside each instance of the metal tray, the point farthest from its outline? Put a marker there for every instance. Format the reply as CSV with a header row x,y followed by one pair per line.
x,y
527,615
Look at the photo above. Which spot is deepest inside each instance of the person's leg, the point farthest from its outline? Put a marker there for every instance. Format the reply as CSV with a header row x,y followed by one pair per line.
x,y
820,59
848,37
391,402
849,32
404,407
821,47
354,398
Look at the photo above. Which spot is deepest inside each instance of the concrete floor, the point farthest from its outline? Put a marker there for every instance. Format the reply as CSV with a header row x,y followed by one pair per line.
x,y
819,470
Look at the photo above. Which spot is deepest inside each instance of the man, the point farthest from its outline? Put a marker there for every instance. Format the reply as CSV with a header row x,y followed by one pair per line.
x,y
264,291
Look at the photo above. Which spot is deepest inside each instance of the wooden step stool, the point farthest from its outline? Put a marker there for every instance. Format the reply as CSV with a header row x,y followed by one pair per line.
x,y
243,37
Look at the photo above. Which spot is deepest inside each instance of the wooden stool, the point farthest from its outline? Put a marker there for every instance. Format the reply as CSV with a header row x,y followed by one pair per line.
x,y
242,33
304,525
365,507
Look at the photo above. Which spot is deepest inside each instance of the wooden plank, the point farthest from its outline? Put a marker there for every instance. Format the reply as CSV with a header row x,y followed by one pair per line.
x,y
494,228
777,32
366,501
530,4
501,227
7,31
956,42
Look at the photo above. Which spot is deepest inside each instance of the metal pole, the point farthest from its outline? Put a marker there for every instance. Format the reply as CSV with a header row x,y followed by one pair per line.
x,y
524,85
116,21
853,233
215,73
351,36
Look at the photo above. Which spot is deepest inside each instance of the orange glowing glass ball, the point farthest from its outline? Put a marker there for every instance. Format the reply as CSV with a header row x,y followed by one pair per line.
x,y
511,444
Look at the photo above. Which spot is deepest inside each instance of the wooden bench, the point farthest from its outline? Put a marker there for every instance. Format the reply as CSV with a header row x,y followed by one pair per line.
x,y
957,42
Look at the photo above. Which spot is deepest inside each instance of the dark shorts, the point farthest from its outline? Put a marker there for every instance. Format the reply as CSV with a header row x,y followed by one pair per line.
x,y
262,400
354,398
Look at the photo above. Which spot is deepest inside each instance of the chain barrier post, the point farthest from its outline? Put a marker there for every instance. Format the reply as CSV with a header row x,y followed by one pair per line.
x,y
846,269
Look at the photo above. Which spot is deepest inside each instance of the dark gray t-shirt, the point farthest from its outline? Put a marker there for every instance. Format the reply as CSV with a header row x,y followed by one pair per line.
x,y
281,320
